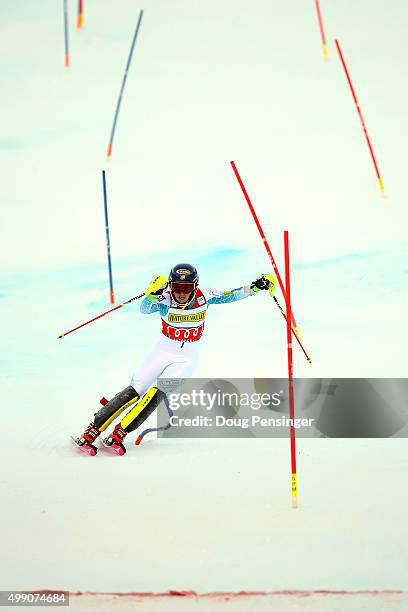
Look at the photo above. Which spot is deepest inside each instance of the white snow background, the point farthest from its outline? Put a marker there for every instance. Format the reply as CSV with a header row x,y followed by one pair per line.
x,y
208,83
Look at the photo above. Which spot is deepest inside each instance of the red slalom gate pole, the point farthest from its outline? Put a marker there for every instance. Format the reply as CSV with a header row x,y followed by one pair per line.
x,y
268,250
261,232
353,93
294,488
101,315
324,44
80,18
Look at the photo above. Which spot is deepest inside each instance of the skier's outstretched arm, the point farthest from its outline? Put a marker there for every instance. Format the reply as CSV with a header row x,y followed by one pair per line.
x,y
264,282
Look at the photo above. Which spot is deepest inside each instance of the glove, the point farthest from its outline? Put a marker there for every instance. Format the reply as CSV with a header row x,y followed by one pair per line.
x,y
272,283
156,287
266,281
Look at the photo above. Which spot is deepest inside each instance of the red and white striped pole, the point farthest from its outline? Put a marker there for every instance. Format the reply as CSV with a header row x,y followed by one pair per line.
x,y
294,489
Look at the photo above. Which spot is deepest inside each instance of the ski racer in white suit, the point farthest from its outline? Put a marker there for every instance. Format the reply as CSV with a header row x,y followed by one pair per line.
x,y
182,306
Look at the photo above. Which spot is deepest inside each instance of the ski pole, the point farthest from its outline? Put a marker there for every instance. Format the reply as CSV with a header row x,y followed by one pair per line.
x,y
170,413
271,293
297,337
101,315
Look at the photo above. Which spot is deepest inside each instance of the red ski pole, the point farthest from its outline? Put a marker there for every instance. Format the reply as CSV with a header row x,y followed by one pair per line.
x,y
101,315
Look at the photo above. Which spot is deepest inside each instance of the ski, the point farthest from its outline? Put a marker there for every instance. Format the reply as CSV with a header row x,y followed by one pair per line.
x,y
87,449
112,447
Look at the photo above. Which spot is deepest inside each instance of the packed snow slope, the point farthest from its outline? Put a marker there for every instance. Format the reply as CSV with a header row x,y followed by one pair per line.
x,y
207,85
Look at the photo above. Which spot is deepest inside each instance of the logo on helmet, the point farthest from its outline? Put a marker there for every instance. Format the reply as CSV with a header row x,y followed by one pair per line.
x,y
183,272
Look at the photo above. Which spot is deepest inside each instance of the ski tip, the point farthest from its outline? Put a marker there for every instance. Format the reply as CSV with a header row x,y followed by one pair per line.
x,y
138,440
118,449
87,449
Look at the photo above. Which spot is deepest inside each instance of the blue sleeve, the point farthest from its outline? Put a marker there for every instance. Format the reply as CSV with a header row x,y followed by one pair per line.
x,y
148,307
226,297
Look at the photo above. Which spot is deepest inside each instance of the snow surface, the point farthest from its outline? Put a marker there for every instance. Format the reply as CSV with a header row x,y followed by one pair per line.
x,y
207,84
282,602
206,515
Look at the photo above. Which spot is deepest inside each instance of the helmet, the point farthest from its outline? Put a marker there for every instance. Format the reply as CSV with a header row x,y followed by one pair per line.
x,y
186,274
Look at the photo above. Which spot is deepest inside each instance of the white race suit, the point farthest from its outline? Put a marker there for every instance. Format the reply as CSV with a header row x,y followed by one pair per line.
x,y
175,354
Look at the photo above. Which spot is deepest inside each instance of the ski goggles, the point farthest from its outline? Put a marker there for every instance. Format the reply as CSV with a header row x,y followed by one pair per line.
x,y
182,287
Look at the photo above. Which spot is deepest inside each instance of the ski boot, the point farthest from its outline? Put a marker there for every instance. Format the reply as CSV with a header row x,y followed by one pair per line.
x,y
85,442
114,442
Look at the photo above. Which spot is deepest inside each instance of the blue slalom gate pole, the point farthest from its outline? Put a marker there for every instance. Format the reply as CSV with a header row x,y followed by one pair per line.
x,y
66,34
105,201
112,135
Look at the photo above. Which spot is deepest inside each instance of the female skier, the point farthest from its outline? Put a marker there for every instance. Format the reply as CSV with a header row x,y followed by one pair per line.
x,y
182,306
